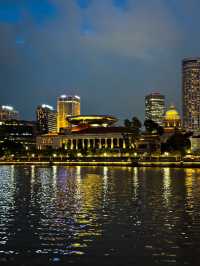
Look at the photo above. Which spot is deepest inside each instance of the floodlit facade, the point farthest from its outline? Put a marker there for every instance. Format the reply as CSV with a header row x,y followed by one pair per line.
x,y
67,106
46,119
155,107
8,113
89,133
94,140
191,93
172,119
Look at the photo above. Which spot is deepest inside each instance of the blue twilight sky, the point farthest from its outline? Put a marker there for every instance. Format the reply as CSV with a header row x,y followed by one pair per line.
x,y
110,52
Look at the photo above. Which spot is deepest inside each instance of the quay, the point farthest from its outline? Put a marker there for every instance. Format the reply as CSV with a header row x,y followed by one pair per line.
x,y
129,162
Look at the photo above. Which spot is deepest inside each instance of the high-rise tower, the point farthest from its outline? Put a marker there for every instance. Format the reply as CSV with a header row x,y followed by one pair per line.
x,y
66,106
8,113
46,119
155,107
191,93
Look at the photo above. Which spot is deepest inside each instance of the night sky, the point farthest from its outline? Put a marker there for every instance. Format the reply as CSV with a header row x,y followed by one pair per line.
x,y
110,52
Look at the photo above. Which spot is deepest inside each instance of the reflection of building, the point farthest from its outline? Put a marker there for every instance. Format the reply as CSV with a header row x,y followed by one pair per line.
x,y
46,119
171,120
8,113
89,132
191,93
23,132
66,106
155,107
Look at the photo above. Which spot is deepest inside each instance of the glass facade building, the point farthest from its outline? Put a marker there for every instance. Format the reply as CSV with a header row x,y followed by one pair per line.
x,y
191,93
46,119
155,107
67,106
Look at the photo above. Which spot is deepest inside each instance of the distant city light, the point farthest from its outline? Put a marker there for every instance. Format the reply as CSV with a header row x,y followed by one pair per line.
x,y
7,107
47,106
63,96
76,96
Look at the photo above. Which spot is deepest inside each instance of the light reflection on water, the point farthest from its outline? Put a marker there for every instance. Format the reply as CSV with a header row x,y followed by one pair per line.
x,y
144,214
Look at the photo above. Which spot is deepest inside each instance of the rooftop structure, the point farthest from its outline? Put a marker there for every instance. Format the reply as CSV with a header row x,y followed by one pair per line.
x,y
92,120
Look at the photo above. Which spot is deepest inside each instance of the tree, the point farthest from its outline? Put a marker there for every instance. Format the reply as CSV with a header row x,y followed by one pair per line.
x,y
178,142
160,130
136,125
127,123
151,126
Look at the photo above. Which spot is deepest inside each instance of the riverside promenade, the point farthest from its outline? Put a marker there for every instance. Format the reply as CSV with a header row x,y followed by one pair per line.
x,y
108,161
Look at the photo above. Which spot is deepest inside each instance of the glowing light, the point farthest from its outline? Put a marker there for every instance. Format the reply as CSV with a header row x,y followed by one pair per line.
x,y
135,182
63,96
166,184
7,107
172,114
47,106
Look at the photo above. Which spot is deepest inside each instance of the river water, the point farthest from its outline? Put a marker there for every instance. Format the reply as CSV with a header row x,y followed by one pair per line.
x,y
99,216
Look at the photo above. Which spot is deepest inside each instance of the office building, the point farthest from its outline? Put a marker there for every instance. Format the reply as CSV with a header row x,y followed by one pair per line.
x,y
8,113
46,119
191,93
67,106
155,107
19,132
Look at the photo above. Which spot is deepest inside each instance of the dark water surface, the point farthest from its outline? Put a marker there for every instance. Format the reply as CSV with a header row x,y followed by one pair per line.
x,y
99,216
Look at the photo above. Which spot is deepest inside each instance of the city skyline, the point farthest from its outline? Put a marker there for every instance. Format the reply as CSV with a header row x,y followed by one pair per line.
x,y
99,132
70,105
122,49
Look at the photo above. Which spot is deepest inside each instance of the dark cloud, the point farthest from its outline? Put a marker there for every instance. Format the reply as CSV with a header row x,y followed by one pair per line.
x,y
110,52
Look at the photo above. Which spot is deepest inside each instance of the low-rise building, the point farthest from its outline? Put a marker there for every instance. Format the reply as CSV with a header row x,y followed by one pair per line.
x,y
149,143
89,133
19,131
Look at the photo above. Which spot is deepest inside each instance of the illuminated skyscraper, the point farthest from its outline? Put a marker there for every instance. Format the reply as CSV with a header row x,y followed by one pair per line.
x,y
46,119
8,113
155,107
67,106
191,93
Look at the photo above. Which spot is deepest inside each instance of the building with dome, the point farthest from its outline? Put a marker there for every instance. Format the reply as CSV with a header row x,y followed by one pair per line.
x,y
172,120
